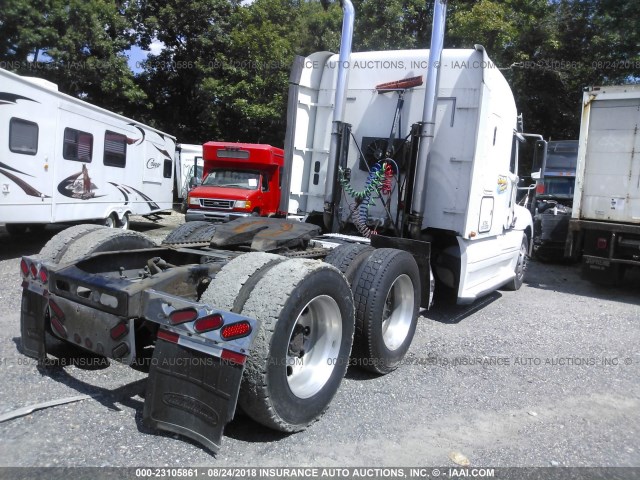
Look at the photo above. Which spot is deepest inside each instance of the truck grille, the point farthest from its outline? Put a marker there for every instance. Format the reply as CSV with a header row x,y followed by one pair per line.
x,y
217,203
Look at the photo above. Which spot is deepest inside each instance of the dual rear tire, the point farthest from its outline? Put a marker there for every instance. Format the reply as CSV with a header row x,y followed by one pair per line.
x,y
301,351
386,290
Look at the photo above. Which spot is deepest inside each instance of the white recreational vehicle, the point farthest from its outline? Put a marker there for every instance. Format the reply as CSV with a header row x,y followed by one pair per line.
x,y
63,160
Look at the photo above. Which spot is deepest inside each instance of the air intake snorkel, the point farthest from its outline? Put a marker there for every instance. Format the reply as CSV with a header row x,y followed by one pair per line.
x,y
338,148
427,126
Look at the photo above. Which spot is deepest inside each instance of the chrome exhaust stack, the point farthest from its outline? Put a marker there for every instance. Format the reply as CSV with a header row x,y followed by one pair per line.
x,y
339,130
427,126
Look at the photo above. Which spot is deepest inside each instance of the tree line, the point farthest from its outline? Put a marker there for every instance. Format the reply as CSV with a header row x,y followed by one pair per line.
x,y
222,73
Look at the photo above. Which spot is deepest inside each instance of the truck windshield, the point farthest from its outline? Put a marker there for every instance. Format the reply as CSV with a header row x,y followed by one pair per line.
x,y
559,185
222,177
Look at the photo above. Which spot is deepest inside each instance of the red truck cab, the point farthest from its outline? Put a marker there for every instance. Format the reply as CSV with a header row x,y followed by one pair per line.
x,y
240,179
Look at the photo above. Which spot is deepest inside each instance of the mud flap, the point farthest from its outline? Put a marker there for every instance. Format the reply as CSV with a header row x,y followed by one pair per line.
x,y
32,324
191,393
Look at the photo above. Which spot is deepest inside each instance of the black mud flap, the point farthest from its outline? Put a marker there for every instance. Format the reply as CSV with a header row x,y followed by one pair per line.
x,y
191,393
32,324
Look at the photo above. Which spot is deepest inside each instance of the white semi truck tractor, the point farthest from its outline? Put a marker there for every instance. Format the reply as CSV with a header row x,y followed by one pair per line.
x,y
398,186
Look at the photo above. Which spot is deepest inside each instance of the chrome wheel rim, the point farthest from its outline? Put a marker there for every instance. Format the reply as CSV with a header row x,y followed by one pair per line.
x,y
109,222
397,315
522,262
314,345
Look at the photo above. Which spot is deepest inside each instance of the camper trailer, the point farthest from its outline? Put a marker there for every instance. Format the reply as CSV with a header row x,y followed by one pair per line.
x,y
64,160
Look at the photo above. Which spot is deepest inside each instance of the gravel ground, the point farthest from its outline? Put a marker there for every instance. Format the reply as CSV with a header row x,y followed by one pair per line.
x,y
544,376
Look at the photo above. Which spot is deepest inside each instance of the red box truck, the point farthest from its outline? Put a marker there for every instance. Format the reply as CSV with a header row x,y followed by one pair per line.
x,y
240,179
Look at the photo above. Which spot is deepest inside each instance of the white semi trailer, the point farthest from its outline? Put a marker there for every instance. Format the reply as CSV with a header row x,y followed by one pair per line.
x,y
605,221
266,312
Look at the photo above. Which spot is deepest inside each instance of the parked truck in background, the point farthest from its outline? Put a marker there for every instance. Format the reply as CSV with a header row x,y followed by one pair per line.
x,y
605,218
189,165
267,313
553,198
240,179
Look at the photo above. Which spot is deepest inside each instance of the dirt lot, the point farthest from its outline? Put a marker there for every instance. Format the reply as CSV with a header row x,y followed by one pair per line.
x,y
548,375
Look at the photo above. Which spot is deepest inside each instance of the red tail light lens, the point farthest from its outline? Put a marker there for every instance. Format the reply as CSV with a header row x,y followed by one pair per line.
x,y
58,327
181,316
44,275
540,188
55,310
236,330
168,336
233,357
119,330
24,268
210,322
601,243
34,270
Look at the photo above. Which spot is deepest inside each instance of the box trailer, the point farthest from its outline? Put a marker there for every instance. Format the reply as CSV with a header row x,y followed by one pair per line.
x,y
64,160
605,221
267,313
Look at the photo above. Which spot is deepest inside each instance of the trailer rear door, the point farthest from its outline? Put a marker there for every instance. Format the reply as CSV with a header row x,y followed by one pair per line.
x,y
611,188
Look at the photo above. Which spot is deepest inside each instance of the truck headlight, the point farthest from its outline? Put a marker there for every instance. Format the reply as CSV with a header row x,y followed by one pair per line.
x,y
244,204
194,201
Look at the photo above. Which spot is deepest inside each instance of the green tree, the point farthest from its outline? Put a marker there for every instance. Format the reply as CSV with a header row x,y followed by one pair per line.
x,y
194,35
78,45
255,70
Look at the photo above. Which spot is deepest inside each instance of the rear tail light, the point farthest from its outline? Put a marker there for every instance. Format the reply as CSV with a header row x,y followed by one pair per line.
x,y
601,243
43,274
24,268
56,311
540,188
181,316
233,357
34,270
56,317
58,327
119,330
168,336
210,322
236,330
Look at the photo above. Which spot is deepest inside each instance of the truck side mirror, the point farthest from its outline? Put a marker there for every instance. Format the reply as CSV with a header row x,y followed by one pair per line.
x,y
194,182
539,159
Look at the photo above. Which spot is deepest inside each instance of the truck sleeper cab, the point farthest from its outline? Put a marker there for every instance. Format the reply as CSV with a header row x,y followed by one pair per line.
x,y
240,180
551,205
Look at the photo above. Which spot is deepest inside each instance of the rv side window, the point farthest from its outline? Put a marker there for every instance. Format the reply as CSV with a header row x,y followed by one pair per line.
x,y
115,149
167,169
78,145
23,136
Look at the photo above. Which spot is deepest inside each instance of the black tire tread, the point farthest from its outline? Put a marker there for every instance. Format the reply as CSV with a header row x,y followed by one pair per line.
x,y
105,240
348,257
224,289
364,294
191,232
55,248
266,303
